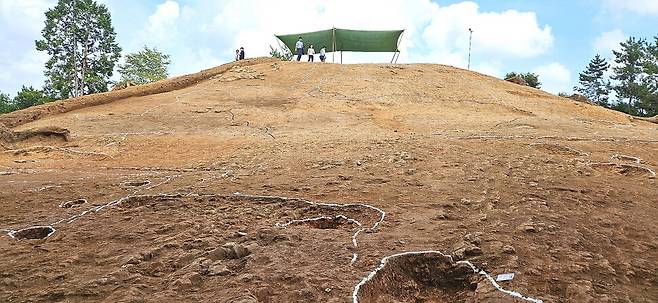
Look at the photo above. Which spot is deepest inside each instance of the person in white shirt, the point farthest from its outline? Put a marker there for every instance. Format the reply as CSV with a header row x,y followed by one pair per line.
x,y
323,53
300,48
311,52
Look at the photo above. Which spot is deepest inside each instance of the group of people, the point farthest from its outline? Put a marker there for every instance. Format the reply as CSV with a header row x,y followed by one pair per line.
x,y
299,46
239,54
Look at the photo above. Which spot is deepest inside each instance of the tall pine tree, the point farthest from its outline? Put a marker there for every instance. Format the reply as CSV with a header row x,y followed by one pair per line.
x,y
628,73
592,83
648,104
79,37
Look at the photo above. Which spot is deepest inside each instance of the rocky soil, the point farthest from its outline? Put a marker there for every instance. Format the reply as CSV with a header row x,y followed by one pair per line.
x,y
265,181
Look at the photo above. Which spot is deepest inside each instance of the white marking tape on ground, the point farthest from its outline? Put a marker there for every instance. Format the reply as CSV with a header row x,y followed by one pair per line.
x,y
349,220
299,221
12,233
384,261
354,236
111,203
567,148
622,157
63,204
652,174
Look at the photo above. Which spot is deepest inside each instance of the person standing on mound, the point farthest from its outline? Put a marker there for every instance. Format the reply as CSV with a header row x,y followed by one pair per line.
x,y
300,48
241,53
311,52
237,55
323,53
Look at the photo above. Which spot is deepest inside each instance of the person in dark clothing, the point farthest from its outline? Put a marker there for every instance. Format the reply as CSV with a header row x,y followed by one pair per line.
x,y
311,52
299,46
242,53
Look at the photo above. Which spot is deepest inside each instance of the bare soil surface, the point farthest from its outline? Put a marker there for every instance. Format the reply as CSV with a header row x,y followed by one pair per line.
x,y
264,181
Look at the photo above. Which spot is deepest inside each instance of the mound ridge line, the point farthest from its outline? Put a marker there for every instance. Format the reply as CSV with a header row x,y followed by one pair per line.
x,y
20,117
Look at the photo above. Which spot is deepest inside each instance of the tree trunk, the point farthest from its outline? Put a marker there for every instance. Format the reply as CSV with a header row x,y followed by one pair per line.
x,y
75,67
630,101
84,66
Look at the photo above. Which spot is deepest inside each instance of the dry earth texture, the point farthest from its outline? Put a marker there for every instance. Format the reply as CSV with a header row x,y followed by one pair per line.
x,y
267,181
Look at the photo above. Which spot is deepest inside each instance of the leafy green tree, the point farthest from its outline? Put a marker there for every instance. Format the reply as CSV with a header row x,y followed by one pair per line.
x,y
28,96
81,42
531,79
283,54
628,73
146,66
5,103
592,83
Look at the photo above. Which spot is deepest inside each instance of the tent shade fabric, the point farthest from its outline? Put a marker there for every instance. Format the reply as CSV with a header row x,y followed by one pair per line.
x,y
346,40
318,39
367,41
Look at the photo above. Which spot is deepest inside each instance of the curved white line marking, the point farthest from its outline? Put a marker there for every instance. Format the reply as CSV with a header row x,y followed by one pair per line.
x,y
373,228
384,261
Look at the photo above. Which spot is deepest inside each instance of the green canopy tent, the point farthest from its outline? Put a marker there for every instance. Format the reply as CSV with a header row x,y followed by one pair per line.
x,y
337,39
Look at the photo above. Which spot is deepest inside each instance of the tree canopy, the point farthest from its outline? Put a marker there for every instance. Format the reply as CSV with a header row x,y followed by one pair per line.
x,y
29,96
636,77
531,79
145,66
593,85
81,42
5,103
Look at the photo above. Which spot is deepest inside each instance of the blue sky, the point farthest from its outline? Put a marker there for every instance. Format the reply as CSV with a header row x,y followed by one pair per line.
x,y
555,39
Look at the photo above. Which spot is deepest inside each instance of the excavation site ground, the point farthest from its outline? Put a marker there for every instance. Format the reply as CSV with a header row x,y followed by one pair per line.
x,y
269,181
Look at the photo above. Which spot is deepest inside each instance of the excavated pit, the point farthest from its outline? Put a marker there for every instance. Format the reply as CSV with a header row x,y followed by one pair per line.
x,y
135,183
423,277
138,201
628,170
32,233
329,222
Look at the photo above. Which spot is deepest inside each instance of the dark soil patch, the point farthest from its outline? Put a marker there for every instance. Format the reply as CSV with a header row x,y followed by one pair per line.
x,y
33,233
422,277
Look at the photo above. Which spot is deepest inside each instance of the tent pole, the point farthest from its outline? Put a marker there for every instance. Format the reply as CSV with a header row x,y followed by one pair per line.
x,y
397,48
333,45
341,57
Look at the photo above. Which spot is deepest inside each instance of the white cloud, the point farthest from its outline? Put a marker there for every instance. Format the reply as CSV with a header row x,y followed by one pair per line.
x,y
202,33
433,33
555,78
24,15
161,25
642,7
605,43
20,25
505,34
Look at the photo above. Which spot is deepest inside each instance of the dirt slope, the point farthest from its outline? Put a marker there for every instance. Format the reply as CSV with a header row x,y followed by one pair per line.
x,y
187,191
